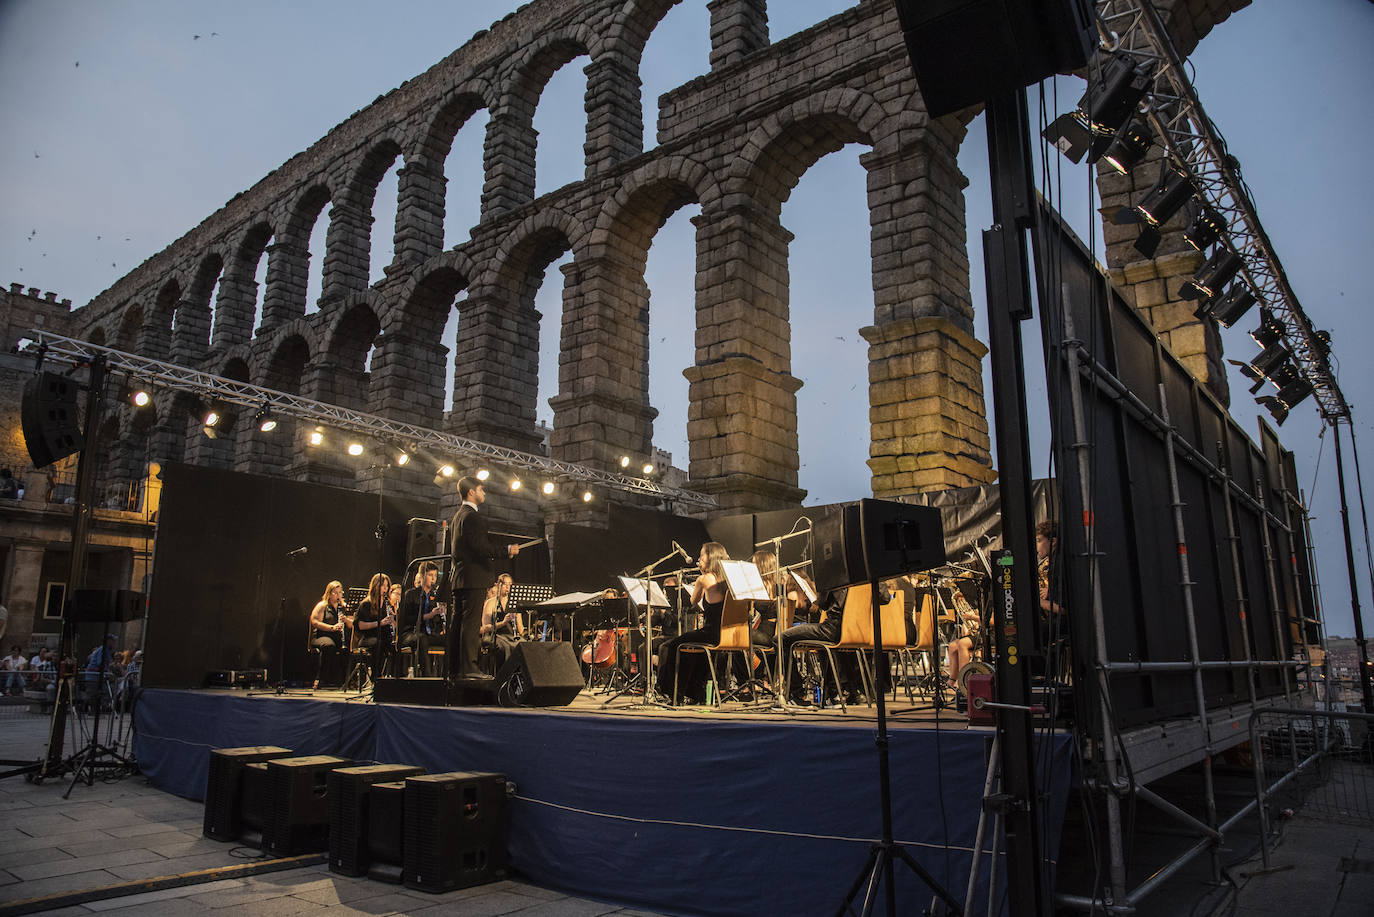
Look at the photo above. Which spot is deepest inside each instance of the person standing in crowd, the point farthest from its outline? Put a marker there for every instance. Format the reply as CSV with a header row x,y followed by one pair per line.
x,y
328,621
474,572
9,487
422,615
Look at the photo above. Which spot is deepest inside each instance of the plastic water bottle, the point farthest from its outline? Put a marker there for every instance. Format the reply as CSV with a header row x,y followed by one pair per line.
x,y
818,695
710,693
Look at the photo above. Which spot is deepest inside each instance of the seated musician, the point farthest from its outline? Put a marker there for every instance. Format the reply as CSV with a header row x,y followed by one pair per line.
x,y
709,591
501,627
422,615
828,630
328,620
372,626
961,648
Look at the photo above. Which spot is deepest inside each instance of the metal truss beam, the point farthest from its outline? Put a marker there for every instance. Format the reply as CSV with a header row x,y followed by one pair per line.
x,y
402,435
1136,28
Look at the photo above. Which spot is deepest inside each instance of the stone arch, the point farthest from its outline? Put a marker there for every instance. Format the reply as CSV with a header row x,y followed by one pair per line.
x,y
615,112
285,366
509,158
348,248
130,324
238,287
452,111
192,318
653,192
97,336
351,336
787,143
426,298
288,266
524,255
157,331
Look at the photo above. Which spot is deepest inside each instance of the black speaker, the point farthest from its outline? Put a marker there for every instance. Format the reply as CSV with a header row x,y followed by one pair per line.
x,y
875,540
422,540
349,790
386,819
455,830
539,675
970,51
298,804
52,429
428,692
224,788
101,606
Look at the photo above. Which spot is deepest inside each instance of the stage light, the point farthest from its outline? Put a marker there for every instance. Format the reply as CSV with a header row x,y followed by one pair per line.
x,y
483,474
449,471
1264,365
648,468
586,496
1128,148
263,419
402,458
355,448
1166,197
211,418
139,397
515,484
1289,396
548,488
316,436
1270,331
1232,307
1113,94
1277,408
624,461
1205,229
1212,276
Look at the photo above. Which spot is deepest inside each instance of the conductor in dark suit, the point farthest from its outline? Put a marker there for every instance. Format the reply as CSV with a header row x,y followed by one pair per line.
x,y
473,572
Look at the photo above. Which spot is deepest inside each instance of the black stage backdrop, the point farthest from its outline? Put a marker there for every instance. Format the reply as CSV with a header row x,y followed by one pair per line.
x,y
222,576
589,559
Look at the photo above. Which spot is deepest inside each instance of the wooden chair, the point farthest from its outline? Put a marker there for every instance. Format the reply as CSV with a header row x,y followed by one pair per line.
x,y
893,615
856,635
734,638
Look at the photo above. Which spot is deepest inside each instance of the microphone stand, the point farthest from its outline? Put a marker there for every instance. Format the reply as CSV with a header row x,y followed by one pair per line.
x,y
780,591
646,669
280,688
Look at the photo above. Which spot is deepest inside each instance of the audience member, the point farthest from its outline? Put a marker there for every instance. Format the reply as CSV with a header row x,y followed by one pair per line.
x,y
14,666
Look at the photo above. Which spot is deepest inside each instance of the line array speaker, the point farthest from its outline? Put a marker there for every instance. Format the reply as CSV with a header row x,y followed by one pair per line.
x,y
224,788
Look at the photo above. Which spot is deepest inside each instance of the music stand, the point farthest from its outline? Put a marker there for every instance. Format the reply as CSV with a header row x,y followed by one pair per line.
x,y
642,590
524,596
106,606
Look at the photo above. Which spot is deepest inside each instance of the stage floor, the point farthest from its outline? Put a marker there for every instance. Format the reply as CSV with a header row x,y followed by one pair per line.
x,y
677,810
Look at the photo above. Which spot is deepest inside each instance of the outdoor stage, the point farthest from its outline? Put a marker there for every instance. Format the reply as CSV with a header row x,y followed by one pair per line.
x,y
678,811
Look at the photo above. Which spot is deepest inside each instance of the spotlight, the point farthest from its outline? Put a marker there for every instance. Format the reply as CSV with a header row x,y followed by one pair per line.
x,y
515,484
1205,229
1129,146
586,496
1264,365
1212,276
1170,192
624,461
1113,93
402,458
139,397
449,471
1232,307
316,436
211,418
483,474
263,419
548,488
648,468
1288,397
355,448
1270,331
216,420
1276,407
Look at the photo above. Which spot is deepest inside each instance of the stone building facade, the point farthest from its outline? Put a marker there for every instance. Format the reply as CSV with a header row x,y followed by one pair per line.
x,y
735,141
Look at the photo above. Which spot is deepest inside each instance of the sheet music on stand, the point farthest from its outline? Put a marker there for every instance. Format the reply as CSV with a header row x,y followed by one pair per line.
x,y
527,595
634,588
744,580
803,587
354,595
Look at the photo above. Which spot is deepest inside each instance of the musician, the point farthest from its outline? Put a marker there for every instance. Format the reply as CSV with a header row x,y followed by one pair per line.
x,y
708,591
473,572
422,615
374,624
1054,623
961,648
829,631
328,623
501,627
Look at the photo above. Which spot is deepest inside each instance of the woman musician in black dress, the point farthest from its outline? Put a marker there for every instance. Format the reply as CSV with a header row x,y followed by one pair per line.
x,y
374,627
709,590
328,626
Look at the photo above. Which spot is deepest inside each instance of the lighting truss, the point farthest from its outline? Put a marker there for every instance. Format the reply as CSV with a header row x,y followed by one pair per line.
x,y
1193,141
252,397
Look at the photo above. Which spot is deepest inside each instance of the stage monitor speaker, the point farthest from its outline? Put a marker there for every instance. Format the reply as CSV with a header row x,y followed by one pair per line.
x,y
386,820
455,830
970,51
539,675
224,788
874,540
349,790
100,606
48,417
298,804
422,540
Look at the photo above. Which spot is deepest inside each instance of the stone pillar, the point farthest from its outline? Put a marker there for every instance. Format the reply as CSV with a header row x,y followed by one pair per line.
x,y
288,272
347,251
738,27
26,578
407,379
928,423
1151,285
742,416
615,115
496,372
419,213
508,160
190,333
234,312
602,408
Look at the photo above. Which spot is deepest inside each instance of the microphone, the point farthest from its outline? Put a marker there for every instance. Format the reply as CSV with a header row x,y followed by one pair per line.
x,y
301,550
681,550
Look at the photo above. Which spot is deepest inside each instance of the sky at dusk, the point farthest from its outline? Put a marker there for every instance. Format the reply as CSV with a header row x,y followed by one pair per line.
x,y
130,121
